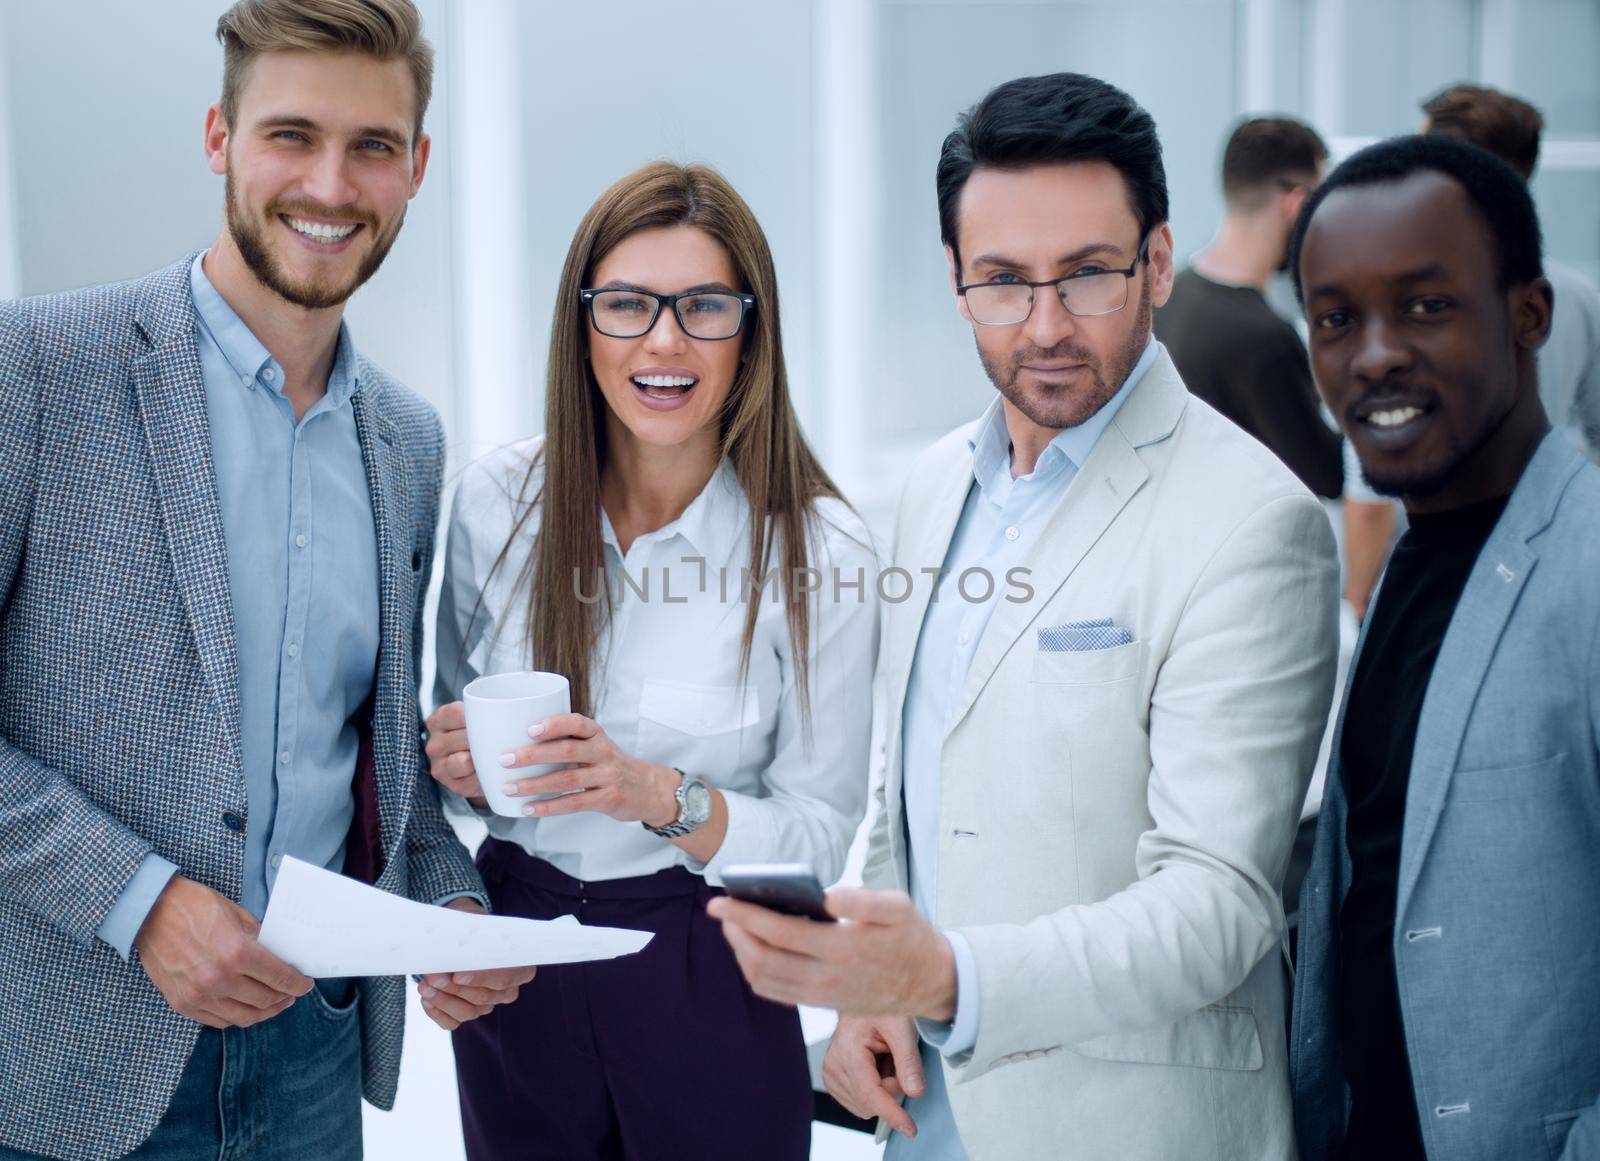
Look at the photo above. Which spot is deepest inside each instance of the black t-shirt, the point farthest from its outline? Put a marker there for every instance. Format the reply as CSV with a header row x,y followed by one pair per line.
x,y
1234,352
1418,597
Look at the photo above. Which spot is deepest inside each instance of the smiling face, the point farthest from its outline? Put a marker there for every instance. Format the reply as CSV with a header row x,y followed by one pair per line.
x,y
1422,356
1049,221
665,388
320,164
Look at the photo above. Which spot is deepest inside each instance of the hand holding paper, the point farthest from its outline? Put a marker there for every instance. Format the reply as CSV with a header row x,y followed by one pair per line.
x,y
327,925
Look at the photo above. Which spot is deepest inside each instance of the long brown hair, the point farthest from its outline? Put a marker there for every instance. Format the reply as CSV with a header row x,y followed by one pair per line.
x,y
759,433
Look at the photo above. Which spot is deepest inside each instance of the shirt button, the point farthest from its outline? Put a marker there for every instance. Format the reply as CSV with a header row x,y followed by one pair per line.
x,y
283,757
965,636
294,650
232,821
300,540
269,374
1013,532
245,380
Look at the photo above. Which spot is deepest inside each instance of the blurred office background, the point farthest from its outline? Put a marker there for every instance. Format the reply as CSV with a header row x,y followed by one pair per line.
x,y
826,114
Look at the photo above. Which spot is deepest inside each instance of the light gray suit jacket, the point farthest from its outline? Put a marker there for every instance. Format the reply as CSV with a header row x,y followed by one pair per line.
x,y
1114,826
119,702
1497,922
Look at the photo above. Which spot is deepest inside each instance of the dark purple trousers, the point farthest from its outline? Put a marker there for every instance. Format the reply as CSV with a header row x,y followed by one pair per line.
x,y
665,1054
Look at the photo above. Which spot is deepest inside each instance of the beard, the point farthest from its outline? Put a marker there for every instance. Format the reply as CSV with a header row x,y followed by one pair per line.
x,y
1059,408
1424,480
250,237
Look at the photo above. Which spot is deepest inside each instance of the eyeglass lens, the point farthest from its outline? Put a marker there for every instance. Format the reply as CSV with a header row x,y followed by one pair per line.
x,y
627,314
1004,303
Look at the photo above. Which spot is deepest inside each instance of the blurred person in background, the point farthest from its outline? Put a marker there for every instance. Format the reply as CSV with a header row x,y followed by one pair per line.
x,y
1449,939
1091,789
216,529
1232,349
1568,364
716,720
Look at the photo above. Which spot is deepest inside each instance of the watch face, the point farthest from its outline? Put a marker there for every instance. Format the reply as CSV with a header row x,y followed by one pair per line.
x,y
696,803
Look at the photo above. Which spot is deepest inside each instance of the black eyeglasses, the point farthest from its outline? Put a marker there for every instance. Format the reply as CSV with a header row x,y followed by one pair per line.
x,y
1087,293
627,314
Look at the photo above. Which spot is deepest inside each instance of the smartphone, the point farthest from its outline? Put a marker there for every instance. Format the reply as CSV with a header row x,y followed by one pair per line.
x,y
789,888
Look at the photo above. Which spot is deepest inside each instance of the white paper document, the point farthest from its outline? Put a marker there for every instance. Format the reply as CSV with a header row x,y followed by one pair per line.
x,y
327,925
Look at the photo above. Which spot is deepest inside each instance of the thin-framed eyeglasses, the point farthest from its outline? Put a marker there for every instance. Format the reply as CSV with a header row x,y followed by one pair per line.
x,y
1089,292
624,313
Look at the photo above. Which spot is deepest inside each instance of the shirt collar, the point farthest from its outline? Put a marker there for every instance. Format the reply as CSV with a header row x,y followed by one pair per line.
x,y
711,524
991,443
245,354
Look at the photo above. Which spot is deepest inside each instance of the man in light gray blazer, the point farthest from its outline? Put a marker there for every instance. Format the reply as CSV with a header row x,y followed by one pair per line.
x,y
1446,1005
1099,726
216,528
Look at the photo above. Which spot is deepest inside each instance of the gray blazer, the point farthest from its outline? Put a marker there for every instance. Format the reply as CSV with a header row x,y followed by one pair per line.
x,y
119,704
1497,924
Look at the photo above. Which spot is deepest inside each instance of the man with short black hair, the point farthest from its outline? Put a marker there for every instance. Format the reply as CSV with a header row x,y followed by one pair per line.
x,y
1231,347
1091,787
1444,1002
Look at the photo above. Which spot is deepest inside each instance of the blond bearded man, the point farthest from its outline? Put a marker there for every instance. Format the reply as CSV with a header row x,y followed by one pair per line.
x,y
216,529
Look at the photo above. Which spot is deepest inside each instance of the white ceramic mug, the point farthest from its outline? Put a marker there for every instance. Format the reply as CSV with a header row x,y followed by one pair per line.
x,y
499,711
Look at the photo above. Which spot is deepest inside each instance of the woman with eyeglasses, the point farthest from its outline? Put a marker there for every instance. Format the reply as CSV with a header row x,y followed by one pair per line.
x,y
672,546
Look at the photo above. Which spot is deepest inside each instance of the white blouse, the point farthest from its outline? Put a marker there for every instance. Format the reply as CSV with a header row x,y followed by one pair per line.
x,y
666,686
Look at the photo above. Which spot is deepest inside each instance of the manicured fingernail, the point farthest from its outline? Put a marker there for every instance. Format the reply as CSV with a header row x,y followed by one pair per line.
x,y
428,993
464,978
914,1080
536,729
508,759
509,788
531,808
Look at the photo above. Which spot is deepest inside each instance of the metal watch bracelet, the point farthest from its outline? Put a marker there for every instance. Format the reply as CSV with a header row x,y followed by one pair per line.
x,y
694,808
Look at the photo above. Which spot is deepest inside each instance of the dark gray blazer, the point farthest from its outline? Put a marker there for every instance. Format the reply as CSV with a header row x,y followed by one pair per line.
x,y
1497,928
119,703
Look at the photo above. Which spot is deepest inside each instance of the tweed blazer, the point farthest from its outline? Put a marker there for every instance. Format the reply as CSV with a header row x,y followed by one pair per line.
x,y
119,699
1496,925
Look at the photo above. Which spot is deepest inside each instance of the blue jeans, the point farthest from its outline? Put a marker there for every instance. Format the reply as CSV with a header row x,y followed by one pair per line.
x,y
286,1089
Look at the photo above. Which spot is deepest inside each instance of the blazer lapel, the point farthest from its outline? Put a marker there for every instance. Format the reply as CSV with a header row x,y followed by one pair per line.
x,y
1469,645
171,393
1097,494
1102,488
389,484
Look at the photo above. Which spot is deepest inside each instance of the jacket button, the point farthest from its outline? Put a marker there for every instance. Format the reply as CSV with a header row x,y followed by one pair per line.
x,y
232,821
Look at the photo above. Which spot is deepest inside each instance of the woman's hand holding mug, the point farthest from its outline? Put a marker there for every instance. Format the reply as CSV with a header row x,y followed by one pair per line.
x,y
449,758
600,777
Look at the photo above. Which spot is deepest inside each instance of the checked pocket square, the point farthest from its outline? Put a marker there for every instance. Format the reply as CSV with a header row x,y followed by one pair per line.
x,y
1084,636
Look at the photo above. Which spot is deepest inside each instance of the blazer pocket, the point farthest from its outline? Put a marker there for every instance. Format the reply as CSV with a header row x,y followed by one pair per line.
x,y
1088,667
1519,780
1220,1036
700,710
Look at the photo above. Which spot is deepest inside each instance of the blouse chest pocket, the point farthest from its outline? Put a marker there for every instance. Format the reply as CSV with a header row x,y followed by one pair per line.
x,y
696,724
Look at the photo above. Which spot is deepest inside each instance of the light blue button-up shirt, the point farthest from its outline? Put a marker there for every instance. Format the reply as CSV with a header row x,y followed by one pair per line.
x,y
999,523
303,573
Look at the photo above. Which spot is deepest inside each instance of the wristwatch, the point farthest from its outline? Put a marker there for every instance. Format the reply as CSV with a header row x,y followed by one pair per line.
x,y
694,808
